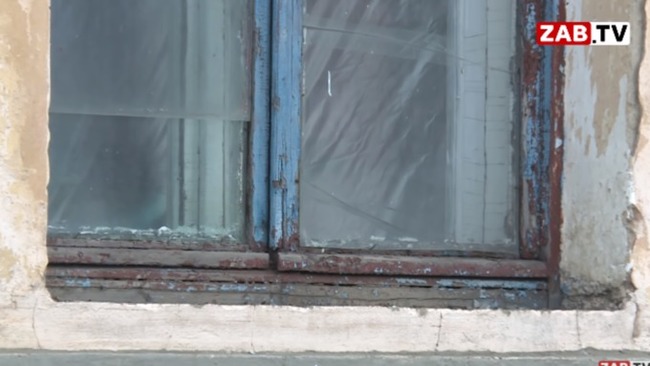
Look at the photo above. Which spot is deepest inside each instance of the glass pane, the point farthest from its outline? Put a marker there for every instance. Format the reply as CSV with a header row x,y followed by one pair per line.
x,y
151,58
407,132
150,100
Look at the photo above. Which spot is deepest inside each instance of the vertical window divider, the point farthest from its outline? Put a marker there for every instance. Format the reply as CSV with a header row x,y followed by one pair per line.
x,y
258,177
286,99
541,83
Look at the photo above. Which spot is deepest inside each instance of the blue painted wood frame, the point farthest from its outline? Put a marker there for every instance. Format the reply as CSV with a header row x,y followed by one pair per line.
x,y
554,105
540,90
258,177
541,87
286,70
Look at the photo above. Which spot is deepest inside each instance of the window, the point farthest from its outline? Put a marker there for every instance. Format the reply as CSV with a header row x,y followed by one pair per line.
x,y
305,152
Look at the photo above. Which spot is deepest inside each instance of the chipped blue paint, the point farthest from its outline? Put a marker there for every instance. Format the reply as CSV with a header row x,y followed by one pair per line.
x,y
546,104
285,120
500,284
231,287
243,288
523,294
536,136
531,141
78,282
531,20
288,289
223,287
234,287
411,282
260,128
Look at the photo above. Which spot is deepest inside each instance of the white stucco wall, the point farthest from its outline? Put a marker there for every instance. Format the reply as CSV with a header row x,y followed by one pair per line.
x,y
601,123
606,205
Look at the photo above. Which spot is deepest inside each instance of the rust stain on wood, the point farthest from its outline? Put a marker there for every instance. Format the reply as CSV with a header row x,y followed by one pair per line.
x,y
159,258
189,244
395,265
269,276
552,252
296,294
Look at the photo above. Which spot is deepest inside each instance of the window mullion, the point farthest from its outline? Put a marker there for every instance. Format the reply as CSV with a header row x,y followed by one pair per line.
x,y
258,198
286,68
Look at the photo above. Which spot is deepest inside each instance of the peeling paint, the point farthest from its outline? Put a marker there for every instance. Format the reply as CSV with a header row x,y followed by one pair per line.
x,y
7,262
596,240
602,115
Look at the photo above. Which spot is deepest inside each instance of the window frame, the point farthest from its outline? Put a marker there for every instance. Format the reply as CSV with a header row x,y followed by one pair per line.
x,y
271,251
539,90
251,252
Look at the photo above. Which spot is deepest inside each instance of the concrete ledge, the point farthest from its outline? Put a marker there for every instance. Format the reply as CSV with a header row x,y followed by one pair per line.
x,y
41,358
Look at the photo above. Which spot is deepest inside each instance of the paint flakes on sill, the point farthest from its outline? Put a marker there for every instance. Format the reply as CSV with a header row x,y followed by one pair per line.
x,y
163,233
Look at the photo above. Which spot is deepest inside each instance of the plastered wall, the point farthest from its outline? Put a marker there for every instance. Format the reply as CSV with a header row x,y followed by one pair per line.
x,y
24,74
601,131
605,247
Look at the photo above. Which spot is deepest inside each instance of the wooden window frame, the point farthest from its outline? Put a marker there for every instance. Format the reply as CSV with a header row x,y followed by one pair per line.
x,y
271,260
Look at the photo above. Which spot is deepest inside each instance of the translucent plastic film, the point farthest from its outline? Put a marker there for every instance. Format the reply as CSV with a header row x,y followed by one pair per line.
x,y
150,103
407,133
151,58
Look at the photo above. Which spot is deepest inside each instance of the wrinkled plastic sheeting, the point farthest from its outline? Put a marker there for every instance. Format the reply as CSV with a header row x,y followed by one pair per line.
x,y
148,112
383,101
